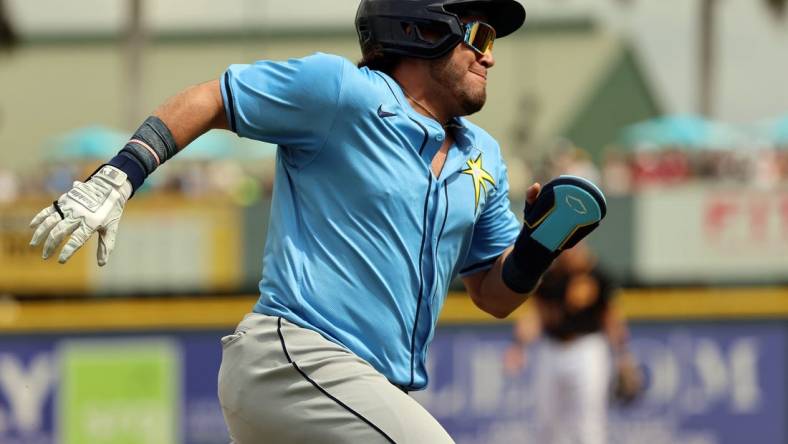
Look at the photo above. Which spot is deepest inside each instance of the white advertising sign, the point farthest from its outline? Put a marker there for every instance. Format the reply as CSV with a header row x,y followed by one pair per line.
x,y
715,234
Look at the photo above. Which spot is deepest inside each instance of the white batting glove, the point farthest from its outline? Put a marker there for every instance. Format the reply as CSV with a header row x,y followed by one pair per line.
x,y
95,205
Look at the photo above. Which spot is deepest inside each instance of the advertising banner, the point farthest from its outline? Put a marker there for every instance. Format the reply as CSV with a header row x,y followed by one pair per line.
x,y
716,234
707,383
21,267
124,389
165,245
118,392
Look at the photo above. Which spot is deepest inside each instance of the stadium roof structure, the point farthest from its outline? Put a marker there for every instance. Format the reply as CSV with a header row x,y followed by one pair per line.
x,y
569,82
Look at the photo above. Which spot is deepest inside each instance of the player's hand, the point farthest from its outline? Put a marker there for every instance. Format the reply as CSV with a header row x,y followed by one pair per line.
x,y
557,216
563,212
628,384
514,359
94,205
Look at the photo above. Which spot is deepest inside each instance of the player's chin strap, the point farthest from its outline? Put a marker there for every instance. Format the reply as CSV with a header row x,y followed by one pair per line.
x,y
150,146
567,209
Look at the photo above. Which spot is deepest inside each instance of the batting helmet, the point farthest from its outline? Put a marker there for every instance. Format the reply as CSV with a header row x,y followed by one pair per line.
x,y
393,26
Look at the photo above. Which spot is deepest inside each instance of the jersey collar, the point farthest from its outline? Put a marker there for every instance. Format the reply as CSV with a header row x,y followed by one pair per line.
x,y
456,123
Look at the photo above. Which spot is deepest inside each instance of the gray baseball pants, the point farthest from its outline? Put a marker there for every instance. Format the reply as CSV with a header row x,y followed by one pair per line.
x,y
281,383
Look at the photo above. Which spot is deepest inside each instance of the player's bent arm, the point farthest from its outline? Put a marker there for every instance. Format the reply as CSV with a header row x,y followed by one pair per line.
x,y
193,111
96,205
489,292
487,288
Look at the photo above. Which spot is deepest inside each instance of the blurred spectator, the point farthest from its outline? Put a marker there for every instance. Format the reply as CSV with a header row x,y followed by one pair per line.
x,y
762,167
766,169
574,369
577,162
781,160
616,173
621,172
245,183
9,186
665,167
566,158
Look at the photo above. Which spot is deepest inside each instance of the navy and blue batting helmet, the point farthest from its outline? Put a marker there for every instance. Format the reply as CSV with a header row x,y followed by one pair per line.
x,y
393,26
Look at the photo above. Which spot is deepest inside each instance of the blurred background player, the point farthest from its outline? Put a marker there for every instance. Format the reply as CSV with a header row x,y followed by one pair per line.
x,y
574,370
383,194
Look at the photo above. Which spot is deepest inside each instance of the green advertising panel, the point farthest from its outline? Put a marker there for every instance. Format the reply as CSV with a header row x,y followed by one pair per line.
x,y
119,392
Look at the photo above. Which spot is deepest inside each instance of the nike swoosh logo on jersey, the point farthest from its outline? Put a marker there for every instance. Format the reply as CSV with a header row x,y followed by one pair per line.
x,y
383,113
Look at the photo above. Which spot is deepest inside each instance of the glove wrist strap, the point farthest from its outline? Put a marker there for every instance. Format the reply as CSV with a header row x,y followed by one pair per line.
x,y
526,263
112,175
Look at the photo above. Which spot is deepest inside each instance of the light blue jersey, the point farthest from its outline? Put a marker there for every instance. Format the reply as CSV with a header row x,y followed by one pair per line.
x,y
363,239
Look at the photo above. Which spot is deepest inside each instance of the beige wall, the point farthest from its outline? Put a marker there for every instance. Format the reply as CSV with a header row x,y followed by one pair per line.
x,y
50,89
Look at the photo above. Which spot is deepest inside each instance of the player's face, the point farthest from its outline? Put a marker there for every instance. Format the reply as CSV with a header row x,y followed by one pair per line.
x,y
463,72
576,259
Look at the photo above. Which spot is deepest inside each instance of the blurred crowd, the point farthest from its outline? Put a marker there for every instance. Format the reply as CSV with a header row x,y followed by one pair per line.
x,y
619,172
243,182
622,172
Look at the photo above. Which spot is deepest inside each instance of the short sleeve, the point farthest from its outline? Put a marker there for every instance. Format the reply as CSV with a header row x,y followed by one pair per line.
x,y
495,231
291,103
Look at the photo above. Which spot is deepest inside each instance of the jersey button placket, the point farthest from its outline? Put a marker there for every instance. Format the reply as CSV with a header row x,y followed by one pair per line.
x,y
430,259
428,272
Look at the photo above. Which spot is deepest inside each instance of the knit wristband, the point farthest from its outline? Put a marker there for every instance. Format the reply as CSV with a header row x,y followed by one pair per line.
x,y
150,146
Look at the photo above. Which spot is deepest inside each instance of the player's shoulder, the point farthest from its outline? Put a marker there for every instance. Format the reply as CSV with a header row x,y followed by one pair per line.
x,y
362,80
324,59
363,88
480,135
482,140
317,70
321,64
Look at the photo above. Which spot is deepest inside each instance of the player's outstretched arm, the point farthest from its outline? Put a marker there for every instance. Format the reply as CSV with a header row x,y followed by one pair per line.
x,y
96,205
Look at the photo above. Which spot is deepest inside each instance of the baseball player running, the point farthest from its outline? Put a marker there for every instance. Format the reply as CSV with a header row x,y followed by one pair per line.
x,y
574,369
383,193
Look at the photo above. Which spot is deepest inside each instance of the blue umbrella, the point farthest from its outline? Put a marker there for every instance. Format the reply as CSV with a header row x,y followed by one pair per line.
x,y
775,131
681,130
100,143
209,146
88,143
226,145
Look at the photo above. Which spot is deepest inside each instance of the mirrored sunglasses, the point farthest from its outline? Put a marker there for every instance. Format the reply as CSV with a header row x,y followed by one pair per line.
x,y
479,36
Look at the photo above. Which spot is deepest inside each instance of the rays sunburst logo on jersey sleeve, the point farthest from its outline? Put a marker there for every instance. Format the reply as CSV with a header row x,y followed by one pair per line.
x,y
480,178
